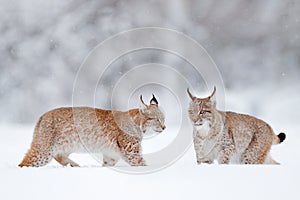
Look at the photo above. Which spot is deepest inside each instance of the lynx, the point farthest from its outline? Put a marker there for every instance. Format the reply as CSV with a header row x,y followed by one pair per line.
x,y
115,134
229,137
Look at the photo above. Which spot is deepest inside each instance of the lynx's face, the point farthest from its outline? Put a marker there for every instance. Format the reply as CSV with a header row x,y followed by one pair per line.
x,y
154,119
201,111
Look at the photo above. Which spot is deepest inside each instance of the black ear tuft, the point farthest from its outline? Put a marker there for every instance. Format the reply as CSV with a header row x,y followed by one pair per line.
x,y
142,101
153,101
143,106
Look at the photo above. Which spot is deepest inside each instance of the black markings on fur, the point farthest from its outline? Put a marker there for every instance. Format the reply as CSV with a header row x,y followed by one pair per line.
x,y
118,144
282,137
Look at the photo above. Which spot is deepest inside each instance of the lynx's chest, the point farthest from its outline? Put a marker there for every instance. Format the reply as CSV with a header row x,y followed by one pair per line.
x,y
202,131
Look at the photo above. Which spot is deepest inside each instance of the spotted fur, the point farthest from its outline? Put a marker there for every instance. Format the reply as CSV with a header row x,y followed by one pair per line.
x,y
229,137
116,134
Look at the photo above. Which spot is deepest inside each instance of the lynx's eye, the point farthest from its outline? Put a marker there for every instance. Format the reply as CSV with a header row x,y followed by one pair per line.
x,y
154,119
203,112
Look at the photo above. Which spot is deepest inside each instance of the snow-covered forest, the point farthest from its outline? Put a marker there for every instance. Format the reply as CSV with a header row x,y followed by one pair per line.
x,y
255,45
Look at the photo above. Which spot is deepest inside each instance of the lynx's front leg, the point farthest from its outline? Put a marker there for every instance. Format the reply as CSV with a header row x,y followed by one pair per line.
x,y
227,150
134,159
225,154
131,150
198,145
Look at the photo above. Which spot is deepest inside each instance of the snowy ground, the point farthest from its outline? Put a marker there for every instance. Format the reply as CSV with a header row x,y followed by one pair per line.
x,y
183,180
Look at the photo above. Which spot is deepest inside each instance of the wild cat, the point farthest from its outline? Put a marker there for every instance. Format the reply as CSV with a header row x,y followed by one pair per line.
x,y
116,134
229,137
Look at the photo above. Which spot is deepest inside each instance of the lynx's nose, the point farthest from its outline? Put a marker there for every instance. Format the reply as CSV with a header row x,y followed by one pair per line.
x,y
163,127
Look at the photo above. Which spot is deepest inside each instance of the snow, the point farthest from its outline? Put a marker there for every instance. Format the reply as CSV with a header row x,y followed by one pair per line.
x,y
177,182
182,180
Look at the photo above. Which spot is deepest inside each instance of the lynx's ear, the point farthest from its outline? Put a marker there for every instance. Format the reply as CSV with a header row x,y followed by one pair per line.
x,y
212,97
189,93
143,106
153,101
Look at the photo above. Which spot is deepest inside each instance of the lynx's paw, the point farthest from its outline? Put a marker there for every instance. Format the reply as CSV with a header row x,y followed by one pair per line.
x,y
108,161
205,162
64,161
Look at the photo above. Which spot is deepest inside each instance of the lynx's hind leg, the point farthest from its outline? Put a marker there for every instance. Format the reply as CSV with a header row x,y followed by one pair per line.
x,y
64,160
40,152
258,150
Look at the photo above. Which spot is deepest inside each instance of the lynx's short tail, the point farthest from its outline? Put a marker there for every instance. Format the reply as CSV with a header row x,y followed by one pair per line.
x,y
279,138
